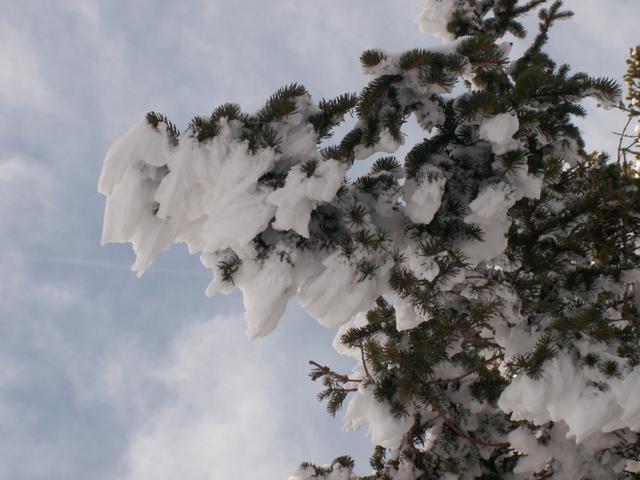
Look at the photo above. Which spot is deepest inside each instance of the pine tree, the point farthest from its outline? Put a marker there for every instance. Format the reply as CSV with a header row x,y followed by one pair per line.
x,y
487,286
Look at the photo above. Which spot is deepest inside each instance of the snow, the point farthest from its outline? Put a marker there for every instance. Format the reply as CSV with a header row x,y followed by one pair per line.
x,y
301,194
323,295
383,428
563,394
386,144
525,184
633,466
499,131
429,114
406,315
207,194
141,145
425,268
406,471
435,16
489,212
568,460
297,137
423,196
357,321
266,290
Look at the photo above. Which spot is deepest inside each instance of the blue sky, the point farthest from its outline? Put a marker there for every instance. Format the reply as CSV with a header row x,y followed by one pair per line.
x,y
107,376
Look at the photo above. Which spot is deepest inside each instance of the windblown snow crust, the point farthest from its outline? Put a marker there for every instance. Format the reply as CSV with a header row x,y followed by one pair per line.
x,y
210,195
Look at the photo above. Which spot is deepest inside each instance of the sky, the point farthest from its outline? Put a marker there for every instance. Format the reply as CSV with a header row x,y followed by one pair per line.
x,y
107,376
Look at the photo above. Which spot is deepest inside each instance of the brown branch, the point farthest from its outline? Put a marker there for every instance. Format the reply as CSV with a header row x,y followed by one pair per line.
x,y
444,381
364,364
482,342
624,131
475,277
623,154
461,433
630,111
624,135
631,145
625,297
327,371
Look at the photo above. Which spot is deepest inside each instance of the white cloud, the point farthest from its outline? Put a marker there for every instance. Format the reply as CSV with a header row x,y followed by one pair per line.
x,y
22,79
26,202
220,418
19,175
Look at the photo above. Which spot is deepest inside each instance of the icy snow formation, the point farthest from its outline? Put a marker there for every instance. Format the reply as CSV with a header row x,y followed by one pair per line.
x,y
423,198
301,194
323,295
489,211
568,395
435,16
384,429
406,315
499,130
576,463
206,195
209,195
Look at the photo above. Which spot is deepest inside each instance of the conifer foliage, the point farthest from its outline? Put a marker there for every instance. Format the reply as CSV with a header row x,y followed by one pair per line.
x,y
486,285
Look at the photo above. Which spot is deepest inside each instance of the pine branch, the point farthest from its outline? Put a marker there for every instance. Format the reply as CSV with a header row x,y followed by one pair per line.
x,y
281,103
364,364
229,267
371,58
461,433
331,113
374,93
547,18
155,119
322,370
